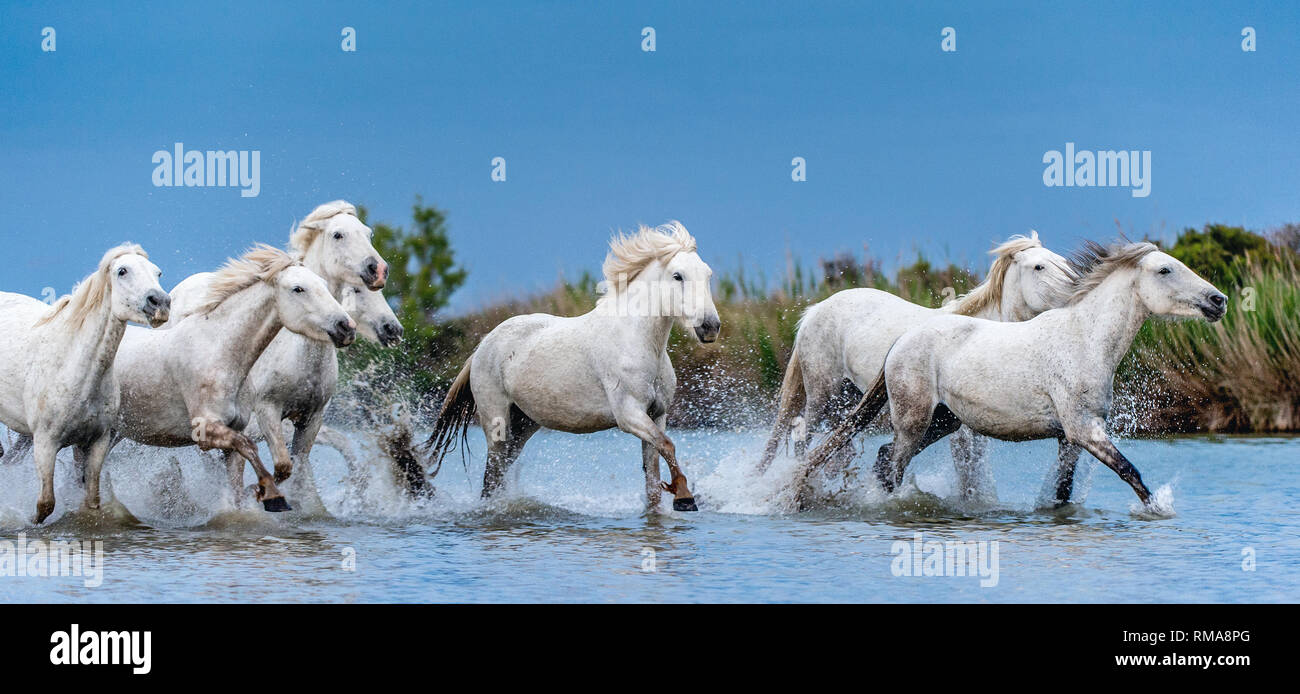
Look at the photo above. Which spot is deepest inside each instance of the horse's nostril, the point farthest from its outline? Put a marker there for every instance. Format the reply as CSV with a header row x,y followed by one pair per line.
x,y
1217,299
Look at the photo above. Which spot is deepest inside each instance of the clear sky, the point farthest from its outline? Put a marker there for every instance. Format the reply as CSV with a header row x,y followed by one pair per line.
x,y
907,147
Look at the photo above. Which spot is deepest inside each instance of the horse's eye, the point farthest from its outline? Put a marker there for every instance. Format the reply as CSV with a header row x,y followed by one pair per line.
x,y
1165,271
298,290
1039,268
677,276
338,235
121,272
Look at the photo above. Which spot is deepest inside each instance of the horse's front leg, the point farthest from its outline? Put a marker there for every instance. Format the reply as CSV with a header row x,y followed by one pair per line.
x,y
970,460
304,437
634,420
650,466
45,449
212,433
94,456
269,420
1067,458
1094,439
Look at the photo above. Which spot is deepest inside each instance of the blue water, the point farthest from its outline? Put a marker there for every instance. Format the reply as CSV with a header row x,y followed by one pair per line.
x,y
572,528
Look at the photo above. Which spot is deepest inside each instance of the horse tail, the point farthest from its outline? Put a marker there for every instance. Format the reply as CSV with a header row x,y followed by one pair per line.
x,y
791,403
454,419
857,420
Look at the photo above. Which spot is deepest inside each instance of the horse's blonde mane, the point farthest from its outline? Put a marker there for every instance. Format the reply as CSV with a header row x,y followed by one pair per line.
x,y
989,292
88,293
629,254
1093,263
310,228
261,263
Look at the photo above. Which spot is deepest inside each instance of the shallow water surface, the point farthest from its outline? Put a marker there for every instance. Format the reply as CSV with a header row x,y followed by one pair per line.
x,y
572,528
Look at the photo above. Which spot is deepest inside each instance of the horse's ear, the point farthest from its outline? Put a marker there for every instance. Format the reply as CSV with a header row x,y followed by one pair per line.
x,y
1033,234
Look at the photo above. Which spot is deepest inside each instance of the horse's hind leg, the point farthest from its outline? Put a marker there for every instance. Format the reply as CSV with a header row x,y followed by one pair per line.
x,y
522,428
915,429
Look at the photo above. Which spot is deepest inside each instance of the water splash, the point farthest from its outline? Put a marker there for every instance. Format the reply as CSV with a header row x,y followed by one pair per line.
x,y
1160,505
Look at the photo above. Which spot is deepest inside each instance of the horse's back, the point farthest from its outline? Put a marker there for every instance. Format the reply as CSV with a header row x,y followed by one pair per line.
x,y
544,365
187,295
848,334
17,356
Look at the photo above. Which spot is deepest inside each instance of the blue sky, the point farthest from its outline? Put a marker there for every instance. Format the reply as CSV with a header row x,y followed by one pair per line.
x,y
907,147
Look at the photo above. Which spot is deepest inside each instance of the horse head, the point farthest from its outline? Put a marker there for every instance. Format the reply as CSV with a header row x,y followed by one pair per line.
x,y
1033,278
334,243
374,317
306,307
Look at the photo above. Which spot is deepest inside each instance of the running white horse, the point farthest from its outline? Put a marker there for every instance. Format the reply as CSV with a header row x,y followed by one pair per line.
x,y
296,376
57,382
846,337
604,369
1049,377
181,386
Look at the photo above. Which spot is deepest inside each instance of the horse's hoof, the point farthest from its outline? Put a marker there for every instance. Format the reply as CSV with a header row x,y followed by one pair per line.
x,y
276,505
684,504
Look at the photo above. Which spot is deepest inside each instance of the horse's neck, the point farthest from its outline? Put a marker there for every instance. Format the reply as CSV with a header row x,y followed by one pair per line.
x,y
314,261
630,313
91,352
1108,319
245,324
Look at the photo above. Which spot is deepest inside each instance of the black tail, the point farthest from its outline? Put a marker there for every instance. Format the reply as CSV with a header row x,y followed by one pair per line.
x,y
454,419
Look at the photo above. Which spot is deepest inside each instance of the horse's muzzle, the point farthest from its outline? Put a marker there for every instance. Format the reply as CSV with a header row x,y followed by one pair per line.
x,y
708,329
1214,306
343,332
157,307
374,273
390,334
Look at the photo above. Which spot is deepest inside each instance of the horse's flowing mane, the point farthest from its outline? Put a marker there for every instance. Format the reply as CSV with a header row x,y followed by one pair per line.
x,y
261,263
630,254
309,229
1093,263
88,293
989,292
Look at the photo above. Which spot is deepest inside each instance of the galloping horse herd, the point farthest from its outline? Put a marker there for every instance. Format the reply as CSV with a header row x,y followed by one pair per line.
x,y
232,354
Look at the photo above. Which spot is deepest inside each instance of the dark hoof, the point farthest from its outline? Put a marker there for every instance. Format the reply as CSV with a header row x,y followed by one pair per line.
x,y
686,504
276,505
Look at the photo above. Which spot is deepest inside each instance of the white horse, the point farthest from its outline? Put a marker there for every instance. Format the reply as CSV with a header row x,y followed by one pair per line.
x,y
846,337
606,368
295,376
1049,377
57,383
181,386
